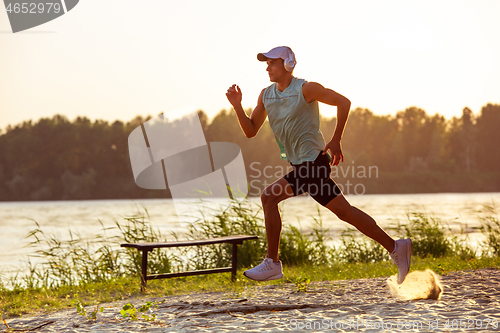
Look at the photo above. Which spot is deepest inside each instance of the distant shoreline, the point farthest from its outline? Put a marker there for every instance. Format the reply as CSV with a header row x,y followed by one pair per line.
x,y
253,197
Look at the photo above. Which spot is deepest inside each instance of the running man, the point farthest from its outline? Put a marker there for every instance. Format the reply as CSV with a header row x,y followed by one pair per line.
x,y
292,107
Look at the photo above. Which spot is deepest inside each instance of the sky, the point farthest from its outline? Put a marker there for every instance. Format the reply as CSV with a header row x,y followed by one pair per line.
x,y
114,60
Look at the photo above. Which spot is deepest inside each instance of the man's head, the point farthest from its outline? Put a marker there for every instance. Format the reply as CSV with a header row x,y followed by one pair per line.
x,y
280,62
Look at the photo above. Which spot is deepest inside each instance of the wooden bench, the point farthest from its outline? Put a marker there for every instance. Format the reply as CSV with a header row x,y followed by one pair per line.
x,y
146,247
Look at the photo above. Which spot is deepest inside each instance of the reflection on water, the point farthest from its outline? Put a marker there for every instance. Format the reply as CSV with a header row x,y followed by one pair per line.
x,y
84,217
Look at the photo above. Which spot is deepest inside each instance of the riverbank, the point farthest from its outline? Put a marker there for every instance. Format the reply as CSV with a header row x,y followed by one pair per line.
x,y
85,217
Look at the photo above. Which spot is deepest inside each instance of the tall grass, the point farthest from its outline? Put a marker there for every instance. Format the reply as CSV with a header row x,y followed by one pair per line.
x,y
72,261
491,228
240,218
77,260
428,235
355,249
432,237
138,229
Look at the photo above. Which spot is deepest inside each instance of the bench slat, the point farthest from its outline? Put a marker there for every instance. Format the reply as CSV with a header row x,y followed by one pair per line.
x,y
238,239
189,273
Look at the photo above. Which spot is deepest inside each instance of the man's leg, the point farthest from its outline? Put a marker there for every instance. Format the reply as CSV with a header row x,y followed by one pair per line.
x,y
400,250
270,268
362,221
271,196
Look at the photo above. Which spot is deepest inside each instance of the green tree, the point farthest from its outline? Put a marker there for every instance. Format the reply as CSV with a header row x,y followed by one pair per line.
x,y
488,137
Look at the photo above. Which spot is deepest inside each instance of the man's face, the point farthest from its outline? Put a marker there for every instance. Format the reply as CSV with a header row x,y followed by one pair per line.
x,y
276,69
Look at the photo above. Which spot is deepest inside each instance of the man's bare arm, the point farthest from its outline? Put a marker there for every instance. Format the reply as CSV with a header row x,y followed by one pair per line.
x,y
252,125
316,92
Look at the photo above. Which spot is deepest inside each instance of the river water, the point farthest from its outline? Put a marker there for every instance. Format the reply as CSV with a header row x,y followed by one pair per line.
x,y
456,210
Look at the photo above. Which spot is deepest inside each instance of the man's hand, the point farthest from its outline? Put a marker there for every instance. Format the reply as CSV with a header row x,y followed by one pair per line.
x,y
335,150
234,95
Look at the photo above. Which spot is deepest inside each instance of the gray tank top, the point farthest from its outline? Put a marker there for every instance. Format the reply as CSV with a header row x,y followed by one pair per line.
x,y
295,123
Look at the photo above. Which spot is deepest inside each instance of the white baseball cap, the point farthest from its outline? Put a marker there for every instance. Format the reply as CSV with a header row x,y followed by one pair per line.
x,y
283,52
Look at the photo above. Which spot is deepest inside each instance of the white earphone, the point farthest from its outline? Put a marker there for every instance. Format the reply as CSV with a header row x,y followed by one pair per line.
x,y
290,61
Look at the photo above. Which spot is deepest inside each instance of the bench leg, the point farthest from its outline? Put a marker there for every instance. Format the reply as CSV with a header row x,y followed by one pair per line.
x,y
144,271
234,262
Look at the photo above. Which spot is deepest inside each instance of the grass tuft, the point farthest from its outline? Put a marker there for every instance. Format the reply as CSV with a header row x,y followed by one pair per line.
x,y
491,229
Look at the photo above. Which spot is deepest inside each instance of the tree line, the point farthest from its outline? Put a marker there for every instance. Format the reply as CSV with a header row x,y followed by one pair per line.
x,y
409,152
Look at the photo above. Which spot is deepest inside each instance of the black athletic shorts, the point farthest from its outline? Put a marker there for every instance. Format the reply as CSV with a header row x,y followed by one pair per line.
x,y
313,177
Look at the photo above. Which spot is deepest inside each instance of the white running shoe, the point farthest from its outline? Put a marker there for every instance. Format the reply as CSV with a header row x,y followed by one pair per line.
x,y
267,270
401,256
